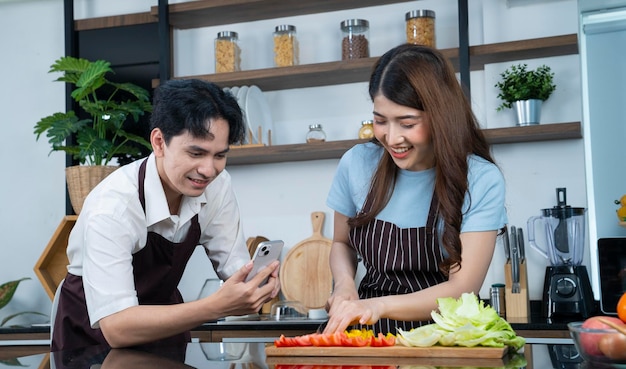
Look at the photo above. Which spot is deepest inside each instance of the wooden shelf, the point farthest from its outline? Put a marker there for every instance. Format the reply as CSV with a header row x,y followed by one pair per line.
x,y
358,70
114,21
205,13
51,267
334,149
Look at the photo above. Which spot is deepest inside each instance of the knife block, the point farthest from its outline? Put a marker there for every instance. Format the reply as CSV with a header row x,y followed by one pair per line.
x,y
517,304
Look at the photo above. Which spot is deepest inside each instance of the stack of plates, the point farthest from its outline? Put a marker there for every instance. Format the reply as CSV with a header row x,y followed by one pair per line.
x,y
256,112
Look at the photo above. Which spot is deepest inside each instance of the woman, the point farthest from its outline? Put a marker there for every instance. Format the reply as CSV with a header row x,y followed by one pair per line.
x,y
421,204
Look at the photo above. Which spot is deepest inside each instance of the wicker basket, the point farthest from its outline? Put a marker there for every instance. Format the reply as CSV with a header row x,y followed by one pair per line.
x,y
81,179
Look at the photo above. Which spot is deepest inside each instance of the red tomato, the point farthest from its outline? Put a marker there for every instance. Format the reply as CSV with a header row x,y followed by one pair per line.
x,y
381,340
355,341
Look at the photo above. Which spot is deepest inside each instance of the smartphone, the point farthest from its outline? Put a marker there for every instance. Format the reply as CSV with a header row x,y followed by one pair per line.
x,y
265,253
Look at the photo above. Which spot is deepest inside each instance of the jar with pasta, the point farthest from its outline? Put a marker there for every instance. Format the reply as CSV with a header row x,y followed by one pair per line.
x,y
227,52
420,27
285,46
355,39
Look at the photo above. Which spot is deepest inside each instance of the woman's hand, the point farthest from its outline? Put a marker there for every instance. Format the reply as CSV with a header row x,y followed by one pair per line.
x,y
349,312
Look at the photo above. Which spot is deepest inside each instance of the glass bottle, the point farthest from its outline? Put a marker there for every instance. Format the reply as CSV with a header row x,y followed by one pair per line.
x,y
420,27
315,134
227,52
286,46
367,129
355,39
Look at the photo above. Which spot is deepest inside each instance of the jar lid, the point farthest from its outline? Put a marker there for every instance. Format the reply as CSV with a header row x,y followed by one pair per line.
x,y
285,27
367,122
421,13
315,126
227,34
355,23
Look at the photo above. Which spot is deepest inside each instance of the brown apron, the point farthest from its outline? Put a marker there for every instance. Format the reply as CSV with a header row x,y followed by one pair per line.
x,y
397,261
157,269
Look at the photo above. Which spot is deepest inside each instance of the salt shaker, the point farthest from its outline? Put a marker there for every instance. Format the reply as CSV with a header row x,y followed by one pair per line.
x,y
315,134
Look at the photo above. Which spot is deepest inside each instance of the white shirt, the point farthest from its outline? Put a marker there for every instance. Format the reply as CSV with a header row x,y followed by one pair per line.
x,y
112,227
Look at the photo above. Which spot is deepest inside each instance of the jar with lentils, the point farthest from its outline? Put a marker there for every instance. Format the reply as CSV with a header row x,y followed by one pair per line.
x,y
355,39
285,46
227,52
420,27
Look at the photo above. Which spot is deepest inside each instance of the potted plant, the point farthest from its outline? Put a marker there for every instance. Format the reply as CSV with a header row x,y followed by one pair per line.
x,y
7,290
526,89
95,134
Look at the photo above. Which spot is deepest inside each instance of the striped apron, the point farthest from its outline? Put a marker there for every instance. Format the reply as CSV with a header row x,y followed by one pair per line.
x,y
397,261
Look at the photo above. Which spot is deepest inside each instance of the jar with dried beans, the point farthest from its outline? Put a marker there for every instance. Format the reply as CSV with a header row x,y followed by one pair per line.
x,y
355,39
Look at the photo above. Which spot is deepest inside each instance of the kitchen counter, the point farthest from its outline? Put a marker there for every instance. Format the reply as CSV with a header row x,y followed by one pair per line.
x,y
535,329
247,355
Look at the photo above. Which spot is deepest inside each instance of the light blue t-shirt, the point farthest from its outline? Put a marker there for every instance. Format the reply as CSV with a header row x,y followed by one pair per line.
x,y
410,202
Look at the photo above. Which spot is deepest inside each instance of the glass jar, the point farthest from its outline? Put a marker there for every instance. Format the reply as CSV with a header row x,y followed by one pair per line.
x,y
227,52
367,129
286,47
420,27
315,134
355,39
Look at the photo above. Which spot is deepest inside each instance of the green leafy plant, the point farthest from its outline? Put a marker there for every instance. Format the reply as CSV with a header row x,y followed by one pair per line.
x,y
97,139
7,290
519,83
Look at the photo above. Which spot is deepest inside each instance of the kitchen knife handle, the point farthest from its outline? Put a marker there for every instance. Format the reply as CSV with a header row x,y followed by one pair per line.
x,y
507,246
520,244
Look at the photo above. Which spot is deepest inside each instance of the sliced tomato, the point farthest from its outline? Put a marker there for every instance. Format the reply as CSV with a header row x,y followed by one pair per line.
x,y
303,340
283,341
355,341
381,340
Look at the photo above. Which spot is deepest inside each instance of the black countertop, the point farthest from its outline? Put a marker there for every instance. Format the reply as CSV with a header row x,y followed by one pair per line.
x,y
253,355
535,322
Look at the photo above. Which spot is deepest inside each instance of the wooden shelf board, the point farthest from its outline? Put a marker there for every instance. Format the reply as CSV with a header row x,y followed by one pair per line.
x,y
51,267
114,21
523,49
195,14
334,149
358,70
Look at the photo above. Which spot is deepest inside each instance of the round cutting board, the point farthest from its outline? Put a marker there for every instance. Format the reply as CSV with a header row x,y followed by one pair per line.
x,y
305,272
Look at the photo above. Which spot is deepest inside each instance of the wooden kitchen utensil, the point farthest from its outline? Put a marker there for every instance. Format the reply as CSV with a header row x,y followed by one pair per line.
x,y
391,351
305,272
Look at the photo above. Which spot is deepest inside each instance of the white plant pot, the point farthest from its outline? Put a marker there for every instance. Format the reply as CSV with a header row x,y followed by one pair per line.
x,y
528,111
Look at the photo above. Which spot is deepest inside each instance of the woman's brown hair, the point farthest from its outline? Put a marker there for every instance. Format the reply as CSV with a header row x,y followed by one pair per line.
x,y
421,77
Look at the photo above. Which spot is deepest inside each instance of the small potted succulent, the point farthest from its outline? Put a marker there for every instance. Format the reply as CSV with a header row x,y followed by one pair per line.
x,y
96,133
526,90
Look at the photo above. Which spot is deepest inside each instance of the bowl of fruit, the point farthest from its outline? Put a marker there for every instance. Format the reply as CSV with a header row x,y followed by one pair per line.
x,y
600,339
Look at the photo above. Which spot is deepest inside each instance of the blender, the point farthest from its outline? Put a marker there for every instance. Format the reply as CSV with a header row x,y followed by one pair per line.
x,y
567,290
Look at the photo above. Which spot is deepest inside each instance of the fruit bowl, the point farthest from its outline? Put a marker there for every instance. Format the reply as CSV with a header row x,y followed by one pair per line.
x,y
587,342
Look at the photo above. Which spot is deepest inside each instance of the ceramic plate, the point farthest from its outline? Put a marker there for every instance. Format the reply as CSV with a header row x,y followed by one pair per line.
x,y
258,114
241,99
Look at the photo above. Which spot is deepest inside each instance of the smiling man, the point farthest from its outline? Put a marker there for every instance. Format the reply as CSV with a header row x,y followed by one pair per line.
x,y
139,227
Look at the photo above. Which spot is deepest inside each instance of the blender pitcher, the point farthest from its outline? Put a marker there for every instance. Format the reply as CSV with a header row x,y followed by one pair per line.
x,y
564,228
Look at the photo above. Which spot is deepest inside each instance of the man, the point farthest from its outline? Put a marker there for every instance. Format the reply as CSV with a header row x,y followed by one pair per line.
x,y
139,227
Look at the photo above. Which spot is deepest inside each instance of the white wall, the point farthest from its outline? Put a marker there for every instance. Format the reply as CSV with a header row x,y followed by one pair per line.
x,y
277,199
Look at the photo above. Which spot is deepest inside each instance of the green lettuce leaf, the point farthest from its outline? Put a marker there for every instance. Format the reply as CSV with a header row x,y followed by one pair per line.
x,y
467,322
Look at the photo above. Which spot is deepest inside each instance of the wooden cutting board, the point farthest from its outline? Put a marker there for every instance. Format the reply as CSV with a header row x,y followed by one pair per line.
x,y
305,272
391,351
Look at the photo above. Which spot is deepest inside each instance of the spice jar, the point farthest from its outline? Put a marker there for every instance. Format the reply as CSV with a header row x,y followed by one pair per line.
x,y
420,27
315,134
355,39
285,46
227,52
367,129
